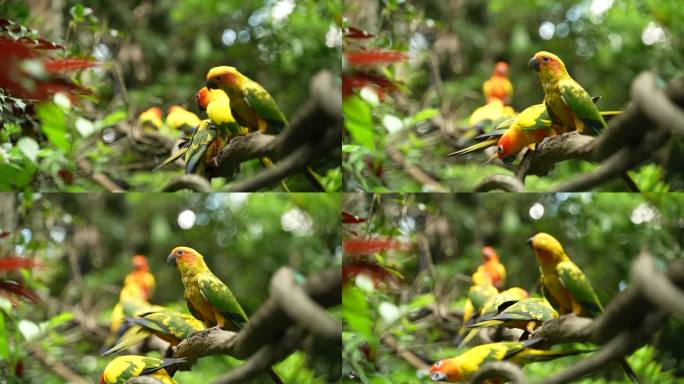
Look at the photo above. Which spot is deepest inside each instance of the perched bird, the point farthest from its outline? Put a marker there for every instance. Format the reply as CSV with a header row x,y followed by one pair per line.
x,y
464,366
568,104
181,119
151,119
489,308
253,107
123,368
481,289
529,127
490,115
141,276
565,285
208,298
498,86
526,314
170,326
493,267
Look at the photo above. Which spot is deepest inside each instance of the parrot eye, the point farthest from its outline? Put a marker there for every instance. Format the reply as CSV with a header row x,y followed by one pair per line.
x,y
499,149
218,78
179,252
438,364
546,59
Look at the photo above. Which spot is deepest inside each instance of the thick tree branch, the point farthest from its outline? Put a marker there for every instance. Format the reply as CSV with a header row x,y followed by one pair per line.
x,y
499,369
500,182
192,182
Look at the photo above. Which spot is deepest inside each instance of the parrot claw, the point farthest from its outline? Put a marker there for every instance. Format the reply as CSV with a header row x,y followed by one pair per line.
x,y
215,161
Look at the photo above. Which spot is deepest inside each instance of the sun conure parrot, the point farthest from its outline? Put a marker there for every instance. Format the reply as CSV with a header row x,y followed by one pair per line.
x,y
565,285
253,107
141,276
490,115
490,308
151,119
529,127
180,119
464,366
481,289
123,368
493,267
170,326
526,314
208,298
568,104
498,86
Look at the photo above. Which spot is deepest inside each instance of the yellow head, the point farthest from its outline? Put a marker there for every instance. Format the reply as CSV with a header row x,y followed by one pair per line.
x,y
547,248
224,77
186,260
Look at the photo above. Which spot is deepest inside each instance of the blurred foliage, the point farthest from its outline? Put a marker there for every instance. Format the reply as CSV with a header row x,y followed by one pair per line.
x,y
601,232
453,45
157,53
85,243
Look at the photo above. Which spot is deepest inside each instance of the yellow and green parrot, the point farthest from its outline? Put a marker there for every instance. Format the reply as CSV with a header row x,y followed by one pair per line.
x,y
208,298
565,285
567,103
253,107
180,119
123,368
526,314
151,119
481,289
464,366
490,308
170,326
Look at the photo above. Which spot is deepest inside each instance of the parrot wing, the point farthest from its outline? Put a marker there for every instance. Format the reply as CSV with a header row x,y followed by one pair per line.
x,y
576,283
194,312
581,104
153,365
264,105
201,139
475,147
220,297
171,158
132,336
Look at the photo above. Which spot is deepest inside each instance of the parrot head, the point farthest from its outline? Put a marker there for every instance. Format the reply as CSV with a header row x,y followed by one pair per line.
x,y
547,63
175,108
506,149
489,254
501,69
202,98
155,111
445,370
547,248
140,263
185,258
223,77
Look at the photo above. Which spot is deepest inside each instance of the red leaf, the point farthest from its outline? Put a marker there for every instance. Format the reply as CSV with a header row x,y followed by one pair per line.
x,y
348,218
374,57
18,289
359,247
4,234
358,80
376,272
355,33
71,64
12,263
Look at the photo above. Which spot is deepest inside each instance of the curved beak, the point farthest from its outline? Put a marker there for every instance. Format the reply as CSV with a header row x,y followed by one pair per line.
x,y
438,376
171,259
211,84
529,241
534,64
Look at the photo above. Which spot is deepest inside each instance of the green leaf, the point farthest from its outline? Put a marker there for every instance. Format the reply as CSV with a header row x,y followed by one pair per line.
x,y
425,114
112,119
29,148
59,319
358,119
356,312
54,125
85,127
4,342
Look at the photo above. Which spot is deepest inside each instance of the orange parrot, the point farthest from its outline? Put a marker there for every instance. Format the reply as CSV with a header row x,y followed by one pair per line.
x,y
498,86
493,267
141,276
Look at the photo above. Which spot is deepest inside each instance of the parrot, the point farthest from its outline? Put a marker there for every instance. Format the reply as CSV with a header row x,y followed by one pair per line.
x,y
567,103
151,119
481,289
493,267
526,314
170,326
253,107
141,276
490,308
182,120
123,368
465,365
498,86
530,126
490,115
208,298
565,285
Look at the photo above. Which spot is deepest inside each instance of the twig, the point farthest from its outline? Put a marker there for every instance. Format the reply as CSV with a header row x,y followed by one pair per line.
x,y
99,177
500,182
429,184
404,353
56,366
499,369
192,182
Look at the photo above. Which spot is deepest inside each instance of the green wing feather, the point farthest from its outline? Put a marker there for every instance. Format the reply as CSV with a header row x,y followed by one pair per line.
x,y
201,139
576,283
221,298
132,336
152,364
264,105
475,147
581,104
172,158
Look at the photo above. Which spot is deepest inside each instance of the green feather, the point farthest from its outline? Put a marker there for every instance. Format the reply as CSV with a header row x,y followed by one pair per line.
x,y
220,297
576,283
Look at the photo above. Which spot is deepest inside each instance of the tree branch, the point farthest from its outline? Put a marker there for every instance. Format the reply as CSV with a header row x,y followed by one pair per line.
x,y
500,182
499,369
192,182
